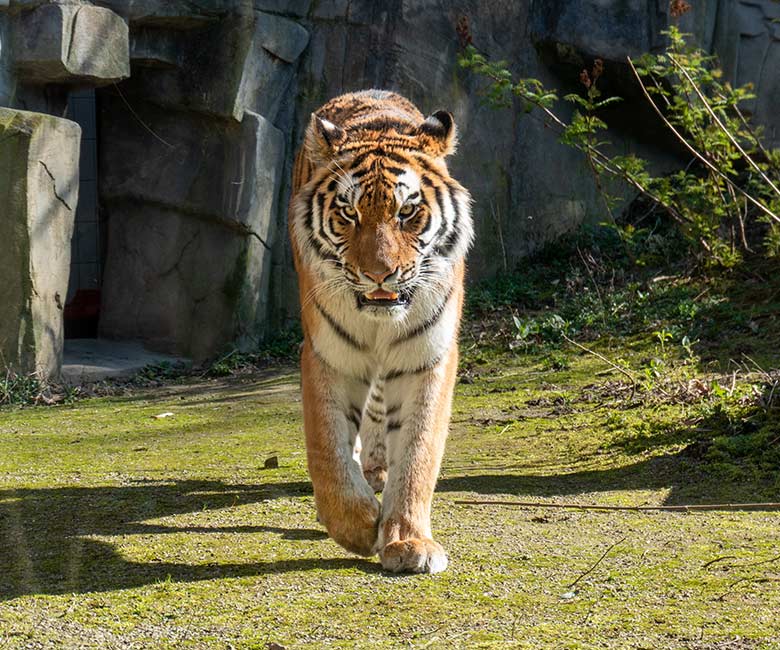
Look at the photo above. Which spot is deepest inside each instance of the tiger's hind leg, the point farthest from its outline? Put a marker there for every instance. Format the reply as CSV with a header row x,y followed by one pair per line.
x,y
373,430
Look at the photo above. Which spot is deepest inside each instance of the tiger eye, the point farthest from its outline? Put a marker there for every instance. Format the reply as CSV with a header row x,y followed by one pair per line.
x,y
349,211
406,209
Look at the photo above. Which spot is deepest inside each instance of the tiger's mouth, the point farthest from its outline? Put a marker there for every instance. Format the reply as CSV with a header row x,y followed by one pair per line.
x,y
383,298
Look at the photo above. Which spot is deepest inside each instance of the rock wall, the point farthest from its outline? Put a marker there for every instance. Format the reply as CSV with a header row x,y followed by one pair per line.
x,y
202,105
39,190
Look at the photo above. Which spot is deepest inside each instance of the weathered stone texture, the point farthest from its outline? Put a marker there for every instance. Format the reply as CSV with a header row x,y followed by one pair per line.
x,y
241,63
297,8
39,174
71,44
196,146
7,80
747,38
174,14
189,229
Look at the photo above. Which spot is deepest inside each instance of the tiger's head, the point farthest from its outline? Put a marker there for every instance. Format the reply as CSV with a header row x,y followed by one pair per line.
x,y
382,218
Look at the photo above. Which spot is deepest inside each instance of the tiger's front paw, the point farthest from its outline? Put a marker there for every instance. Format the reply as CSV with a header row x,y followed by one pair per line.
x,y
353,525
414,555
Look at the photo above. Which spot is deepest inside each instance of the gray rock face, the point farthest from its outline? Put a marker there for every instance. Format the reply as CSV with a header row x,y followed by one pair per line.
x,y
248,65
189,230
197,145
747,38
39,184
283,38
7,81
610,29
71,44
173,14
297,8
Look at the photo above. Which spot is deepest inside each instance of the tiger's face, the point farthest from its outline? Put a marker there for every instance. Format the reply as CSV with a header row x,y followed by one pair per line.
x,y
386,219
379,228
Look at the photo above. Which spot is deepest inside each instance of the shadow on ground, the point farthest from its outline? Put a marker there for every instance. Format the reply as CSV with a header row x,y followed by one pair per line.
x,y
686,483
722,460
46,535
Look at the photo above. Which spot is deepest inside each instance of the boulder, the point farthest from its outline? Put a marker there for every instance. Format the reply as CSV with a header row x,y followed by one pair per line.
x,y
39,179
73,44
187,267
281,37
243,62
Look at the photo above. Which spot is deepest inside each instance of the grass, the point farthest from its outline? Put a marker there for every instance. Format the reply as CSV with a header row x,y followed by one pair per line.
x,y
119,529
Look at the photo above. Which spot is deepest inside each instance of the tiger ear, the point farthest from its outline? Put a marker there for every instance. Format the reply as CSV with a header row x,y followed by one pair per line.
x,y
323,138
438,135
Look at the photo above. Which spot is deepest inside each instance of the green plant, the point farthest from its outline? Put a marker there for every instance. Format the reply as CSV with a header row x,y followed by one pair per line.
x,y
21,389
731,183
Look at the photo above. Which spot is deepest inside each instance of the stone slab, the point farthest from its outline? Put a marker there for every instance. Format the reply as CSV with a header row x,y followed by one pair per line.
x,y
282,37
187,268
71,44
87,361
242,62
39,172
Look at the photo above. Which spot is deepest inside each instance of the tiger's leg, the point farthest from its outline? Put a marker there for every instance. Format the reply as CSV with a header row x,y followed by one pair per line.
x,y
346,505
373,428
415,447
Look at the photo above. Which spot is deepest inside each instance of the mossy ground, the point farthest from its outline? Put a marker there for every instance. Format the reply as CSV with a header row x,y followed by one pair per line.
x,y
122,530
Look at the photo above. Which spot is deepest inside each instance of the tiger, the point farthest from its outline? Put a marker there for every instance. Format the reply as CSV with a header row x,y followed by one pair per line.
x,y
379,232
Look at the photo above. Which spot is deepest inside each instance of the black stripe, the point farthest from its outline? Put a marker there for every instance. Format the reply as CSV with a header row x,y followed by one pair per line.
x,y
425,326
429,169
393,425
381,124
315,243
393,410
395,374
320,199
373,417
376,397
428,223
454,237
440,202
392,155
360,158
322,252
342,333
354,417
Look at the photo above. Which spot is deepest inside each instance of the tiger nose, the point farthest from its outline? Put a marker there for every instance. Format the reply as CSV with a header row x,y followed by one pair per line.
x,y
380,276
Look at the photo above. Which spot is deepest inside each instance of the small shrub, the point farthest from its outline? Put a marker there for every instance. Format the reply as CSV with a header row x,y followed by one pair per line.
x,y
731,187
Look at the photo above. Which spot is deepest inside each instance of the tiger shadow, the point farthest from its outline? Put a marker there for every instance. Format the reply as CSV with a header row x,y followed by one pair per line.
x,y
49,536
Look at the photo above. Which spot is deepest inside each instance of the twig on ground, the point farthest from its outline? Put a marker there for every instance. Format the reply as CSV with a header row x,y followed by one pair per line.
x,y
587,506
718,559
730,588
760,562
599,561
605,360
